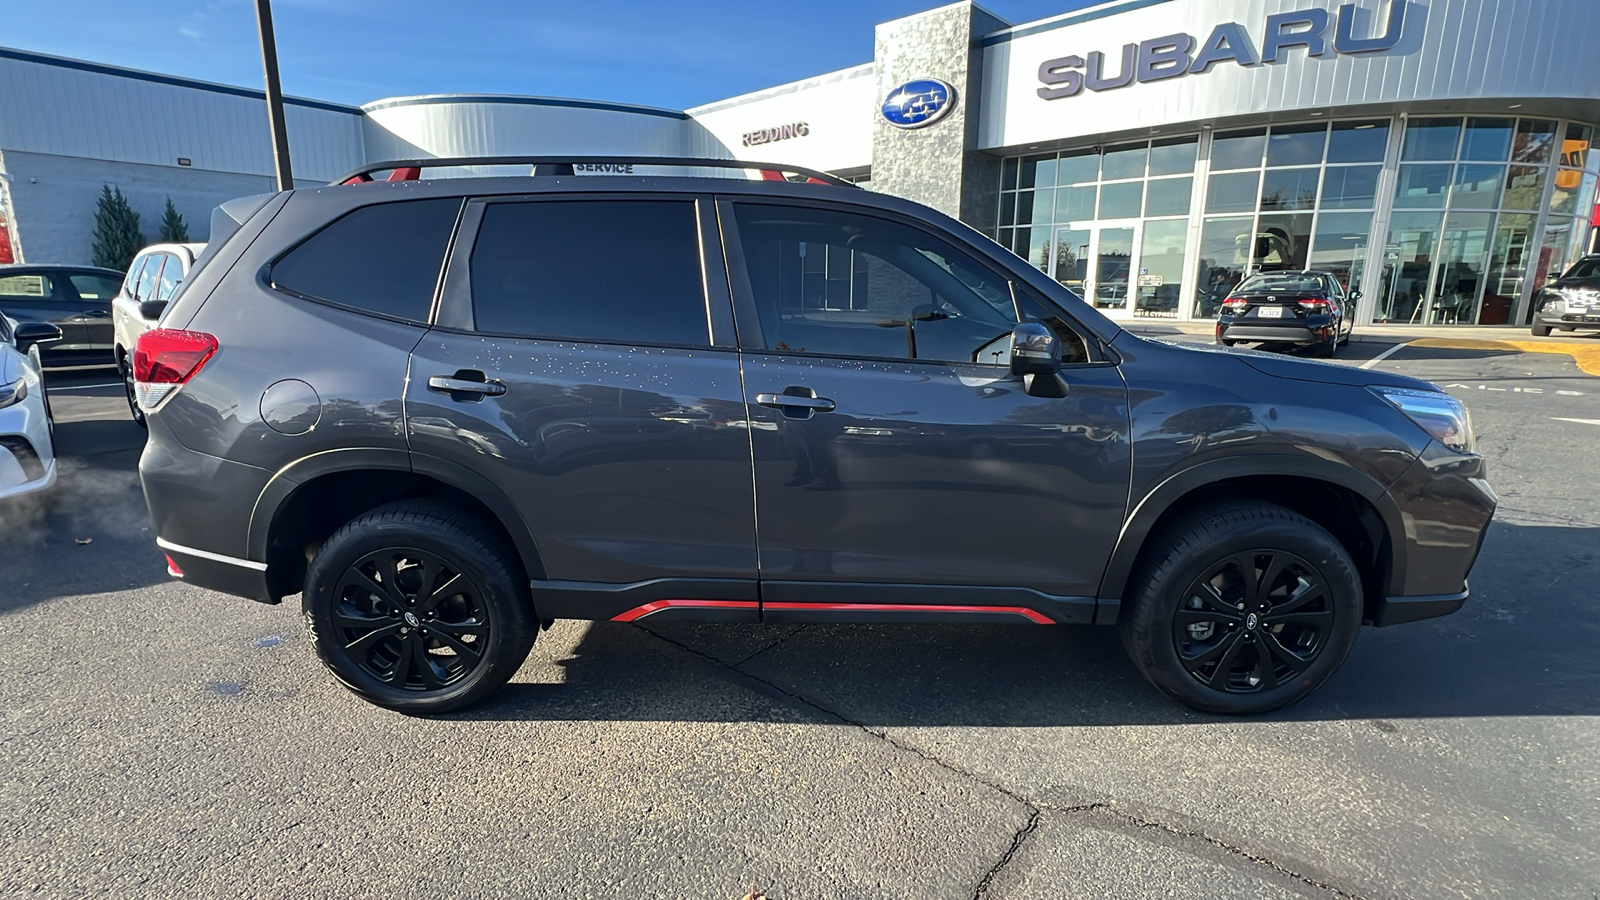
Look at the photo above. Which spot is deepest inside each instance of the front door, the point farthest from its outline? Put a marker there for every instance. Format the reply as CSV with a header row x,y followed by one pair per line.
x,y
574,367
897,462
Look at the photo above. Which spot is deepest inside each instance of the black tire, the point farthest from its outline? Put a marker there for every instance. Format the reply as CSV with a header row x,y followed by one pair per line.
x,y
126,368
1170,611
1326,349
346,604
1541,331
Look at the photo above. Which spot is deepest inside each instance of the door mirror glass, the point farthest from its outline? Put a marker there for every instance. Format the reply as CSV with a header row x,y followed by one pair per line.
x,y
1355,295
152,309
1035,350
30,333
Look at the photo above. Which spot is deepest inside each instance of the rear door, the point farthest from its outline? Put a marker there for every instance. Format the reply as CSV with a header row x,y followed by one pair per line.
x,y
901,470
583,361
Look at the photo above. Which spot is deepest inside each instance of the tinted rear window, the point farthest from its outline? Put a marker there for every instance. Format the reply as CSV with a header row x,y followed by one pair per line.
x,y
1295,283
608,271
383,259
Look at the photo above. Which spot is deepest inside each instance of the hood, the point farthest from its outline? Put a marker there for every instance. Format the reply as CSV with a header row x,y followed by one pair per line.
x,y
1280,366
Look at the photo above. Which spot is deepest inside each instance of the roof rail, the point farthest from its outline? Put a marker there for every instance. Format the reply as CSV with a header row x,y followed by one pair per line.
x,y
411,169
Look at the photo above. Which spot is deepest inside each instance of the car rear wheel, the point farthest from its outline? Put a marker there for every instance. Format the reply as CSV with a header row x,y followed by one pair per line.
x,y
1242,609
417,608
132,393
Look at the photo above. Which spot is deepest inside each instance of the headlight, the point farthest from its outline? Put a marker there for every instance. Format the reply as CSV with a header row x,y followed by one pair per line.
x,y
13,393
1442,416
1579,298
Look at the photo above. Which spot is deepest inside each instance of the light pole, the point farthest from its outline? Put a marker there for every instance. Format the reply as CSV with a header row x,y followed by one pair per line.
x,y
275,123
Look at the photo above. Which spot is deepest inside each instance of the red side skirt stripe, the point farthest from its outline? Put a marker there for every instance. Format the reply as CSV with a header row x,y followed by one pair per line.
x,y
639,612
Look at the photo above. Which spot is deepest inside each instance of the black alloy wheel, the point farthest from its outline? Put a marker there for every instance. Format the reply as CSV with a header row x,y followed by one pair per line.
x,y
1253,620
418,607
1241,608
133,394
410,619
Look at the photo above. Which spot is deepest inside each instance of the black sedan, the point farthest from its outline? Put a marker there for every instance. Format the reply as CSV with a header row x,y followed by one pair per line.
x,y
1572,301
1308,309
76,299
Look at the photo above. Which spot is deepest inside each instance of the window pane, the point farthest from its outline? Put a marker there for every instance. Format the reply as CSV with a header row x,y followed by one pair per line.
x,y
1224,257
1025,207
95,287
1535,141
1282,241
1578,149
1160,279
1408,265
612,271
1125,161
146,287
1488,139
1168,196
1289,189
1559,249
383,259
1462,253
1043,205
1037,249
1431,139
1477,186
1174,156
1574,193
1350,187
1079,167
1008,208
1358,141
25,287
1233,193
1422,186
1121,201
912,295
1513,242
1296,145
1074,204
1525,189
1238,149
1008,175
1340,246
1037,171
171,274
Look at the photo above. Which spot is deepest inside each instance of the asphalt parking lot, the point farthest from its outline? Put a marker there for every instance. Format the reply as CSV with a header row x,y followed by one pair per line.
x,y
157,739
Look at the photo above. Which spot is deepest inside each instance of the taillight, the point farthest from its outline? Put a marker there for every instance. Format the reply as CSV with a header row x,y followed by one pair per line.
x,y
1235,304
1311,305
165,358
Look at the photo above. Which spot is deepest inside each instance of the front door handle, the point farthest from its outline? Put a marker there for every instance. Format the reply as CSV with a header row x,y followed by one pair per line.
x,y
796,402
455,384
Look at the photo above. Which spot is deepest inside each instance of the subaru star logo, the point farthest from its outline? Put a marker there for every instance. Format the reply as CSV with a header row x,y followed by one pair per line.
x,y
918,103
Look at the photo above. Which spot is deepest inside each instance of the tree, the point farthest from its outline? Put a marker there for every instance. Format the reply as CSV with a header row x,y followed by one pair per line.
x,y
173,229
117,238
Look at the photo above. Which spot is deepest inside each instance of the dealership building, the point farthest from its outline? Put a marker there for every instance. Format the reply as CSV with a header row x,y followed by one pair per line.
x,y
1437,154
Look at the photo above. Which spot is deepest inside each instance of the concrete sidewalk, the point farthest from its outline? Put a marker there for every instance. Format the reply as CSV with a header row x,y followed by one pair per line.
x,y
1388,334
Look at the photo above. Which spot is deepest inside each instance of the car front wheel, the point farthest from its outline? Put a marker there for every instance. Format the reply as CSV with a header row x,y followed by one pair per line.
x,y
1242,609
418,608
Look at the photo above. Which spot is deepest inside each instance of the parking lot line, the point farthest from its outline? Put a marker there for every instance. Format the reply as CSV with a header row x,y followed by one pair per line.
x,y
1384,355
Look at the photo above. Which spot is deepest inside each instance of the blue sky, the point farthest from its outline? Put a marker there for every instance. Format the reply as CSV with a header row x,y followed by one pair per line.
x,y
667,54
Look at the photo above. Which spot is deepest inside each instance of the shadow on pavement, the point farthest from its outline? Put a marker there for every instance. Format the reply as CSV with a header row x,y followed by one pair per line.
x,y
1521,647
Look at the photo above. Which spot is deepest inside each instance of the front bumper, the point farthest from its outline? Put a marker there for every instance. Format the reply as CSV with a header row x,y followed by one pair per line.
x,y
27,457
1567,319
1445,504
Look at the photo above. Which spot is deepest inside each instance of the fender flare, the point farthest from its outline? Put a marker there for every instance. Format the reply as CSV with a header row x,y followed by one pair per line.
x,y
287,480
1148,511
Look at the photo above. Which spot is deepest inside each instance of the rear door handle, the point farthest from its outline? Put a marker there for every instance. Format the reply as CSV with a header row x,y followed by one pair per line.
x,y
446,384
796,402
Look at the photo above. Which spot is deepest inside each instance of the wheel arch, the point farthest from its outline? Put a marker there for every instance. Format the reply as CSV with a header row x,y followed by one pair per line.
x,y
1350,504
309,499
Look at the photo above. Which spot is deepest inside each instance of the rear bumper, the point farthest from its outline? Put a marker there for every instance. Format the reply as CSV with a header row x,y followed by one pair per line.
x,y
239,577
1291,332
1400,610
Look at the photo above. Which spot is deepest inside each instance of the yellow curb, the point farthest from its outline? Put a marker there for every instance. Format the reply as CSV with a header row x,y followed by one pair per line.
x,y
1587,356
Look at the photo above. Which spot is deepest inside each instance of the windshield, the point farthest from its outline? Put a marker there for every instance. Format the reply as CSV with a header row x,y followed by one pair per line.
x,y
1586,268
1283,282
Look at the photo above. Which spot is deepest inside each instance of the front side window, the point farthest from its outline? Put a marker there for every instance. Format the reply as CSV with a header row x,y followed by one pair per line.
x,y
94,287
607,271
841,284
146,288
382,259
171,275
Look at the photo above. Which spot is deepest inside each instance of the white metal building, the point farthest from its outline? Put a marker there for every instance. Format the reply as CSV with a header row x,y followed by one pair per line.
x,y
1436,153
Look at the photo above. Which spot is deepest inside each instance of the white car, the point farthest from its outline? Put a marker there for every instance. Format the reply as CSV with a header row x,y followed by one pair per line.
x,y
27,451
153,277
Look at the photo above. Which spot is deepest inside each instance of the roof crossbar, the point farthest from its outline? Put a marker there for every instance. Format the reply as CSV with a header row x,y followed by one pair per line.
x,y
411,169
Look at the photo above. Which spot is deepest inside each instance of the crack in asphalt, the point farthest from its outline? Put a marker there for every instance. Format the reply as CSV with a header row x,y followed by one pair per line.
x,y
1005,858
1035,808
767,647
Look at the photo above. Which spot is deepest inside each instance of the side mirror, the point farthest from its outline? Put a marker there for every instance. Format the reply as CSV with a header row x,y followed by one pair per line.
x,y
1355,295
1035,349
29,333
152,309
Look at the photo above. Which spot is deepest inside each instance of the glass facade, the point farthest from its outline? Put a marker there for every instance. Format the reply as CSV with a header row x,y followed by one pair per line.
x,y
1474,213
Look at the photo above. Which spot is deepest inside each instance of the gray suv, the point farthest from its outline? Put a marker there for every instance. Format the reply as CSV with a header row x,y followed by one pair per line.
x,y
447,412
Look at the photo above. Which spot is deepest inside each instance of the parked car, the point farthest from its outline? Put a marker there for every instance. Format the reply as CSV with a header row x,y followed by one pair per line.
x,y
153,278
447,412
1572,301
1308,309
76,299
27,451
